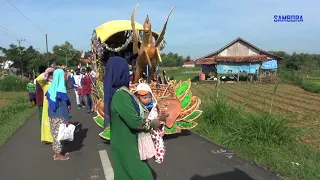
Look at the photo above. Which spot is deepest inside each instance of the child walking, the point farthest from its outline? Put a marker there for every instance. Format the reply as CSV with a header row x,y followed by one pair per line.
x,y
31,87
151,143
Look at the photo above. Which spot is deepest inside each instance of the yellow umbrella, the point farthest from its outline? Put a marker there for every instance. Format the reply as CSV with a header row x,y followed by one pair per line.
x,y
106,30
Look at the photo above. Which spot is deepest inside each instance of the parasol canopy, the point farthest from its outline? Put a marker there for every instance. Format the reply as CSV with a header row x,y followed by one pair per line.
x,y
106,30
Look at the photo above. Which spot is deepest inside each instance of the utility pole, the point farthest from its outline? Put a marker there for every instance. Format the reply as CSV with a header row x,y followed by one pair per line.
x,y
21,62
47,50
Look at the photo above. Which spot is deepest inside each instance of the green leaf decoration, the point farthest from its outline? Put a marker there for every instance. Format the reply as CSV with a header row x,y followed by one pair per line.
x,y
194,115
105,134
182,88
100,95
185,125
171,130
186,100
99,120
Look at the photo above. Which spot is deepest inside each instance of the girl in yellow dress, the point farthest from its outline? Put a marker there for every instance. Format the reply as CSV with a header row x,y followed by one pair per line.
x,y
44,81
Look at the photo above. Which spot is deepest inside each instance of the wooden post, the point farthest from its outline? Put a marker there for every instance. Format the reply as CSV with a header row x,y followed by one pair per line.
x,y
47,55
238,78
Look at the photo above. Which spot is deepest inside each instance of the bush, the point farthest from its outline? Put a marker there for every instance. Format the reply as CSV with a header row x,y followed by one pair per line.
x,y
287,76
242,127
311,84
261,137
17,105
13,83
264,127
12,116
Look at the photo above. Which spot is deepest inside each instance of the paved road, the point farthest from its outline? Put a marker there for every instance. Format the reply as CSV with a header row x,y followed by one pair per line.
x,y
188,157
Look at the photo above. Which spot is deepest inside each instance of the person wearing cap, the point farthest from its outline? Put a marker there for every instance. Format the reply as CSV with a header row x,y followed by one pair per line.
x,y
124,111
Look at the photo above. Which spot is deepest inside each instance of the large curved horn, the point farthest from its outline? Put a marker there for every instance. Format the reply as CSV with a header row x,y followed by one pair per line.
x,y
161,36
134,32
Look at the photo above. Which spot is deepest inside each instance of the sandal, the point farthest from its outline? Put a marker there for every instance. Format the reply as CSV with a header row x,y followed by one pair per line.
x,y
66,154
62,158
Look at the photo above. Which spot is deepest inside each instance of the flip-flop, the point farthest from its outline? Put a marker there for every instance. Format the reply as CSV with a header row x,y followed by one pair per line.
x,y
63,158
66,154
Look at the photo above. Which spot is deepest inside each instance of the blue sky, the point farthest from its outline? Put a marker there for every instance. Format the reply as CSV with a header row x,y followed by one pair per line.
x,y
195,28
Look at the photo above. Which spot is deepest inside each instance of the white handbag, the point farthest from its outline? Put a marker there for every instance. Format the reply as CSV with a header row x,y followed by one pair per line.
x,y
66,132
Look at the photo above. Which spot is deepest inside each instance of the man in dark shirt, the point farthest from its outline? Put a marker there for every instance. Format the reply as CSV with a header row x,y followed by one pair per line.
x,y
86,84
39,94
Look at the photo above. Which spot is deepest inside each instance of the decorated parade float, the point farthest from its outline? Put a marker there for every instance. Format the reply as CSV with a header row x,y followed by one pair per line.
x,y
131,39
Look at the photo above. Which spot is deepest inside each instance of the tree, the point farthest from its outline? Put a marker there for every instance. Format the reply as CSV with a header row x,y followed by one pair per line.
x,y
188,58
172,60
2,59
26,59
15,54
66,54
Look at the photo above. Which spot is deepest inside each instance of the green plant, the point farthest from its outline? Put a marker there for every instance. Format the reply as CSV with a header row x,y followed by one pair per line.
x,y
262,137
12,116
263,127
13,83
311,84
14,107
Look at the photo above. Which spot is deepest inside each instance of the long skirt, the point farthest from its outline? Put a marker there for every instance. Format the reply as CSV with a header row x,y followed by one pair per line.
x,y
40,114
54,127
46,135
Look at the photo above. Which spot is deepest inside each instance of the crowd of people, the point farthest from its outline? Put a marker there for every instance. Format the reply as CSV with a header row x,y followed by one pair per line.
x,y
82,83
136,123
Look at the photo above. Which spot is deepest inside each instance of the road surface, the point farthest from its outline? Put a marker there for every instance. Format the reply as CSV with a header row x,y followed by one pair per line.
x,y
188,157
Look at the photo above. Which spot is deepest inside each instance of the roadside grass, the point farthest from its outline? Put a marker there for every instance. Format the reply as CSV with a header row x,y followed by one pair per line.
x,y
13,114
311,84
264,138
180,73
13,83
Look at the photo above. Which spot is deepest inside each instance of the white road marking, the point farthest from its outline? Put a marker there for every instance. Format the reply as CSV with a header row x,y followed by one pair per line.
x,y
106,165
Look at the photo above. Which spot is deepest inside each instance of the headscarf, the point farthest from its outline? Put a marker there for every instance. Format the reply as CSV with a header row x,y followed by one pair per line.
x,y
57,90
116,76
143,89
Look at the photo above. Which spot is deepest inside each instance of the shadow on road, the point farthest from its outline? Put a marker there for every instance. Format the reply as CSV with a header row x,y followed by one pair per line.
x,y
79,135
235,174
173,136
154,174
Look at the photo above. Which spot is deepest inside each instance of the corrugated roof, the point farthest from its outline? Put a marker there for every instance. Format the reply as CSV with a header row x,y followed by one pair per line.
x,y
214,60
234,41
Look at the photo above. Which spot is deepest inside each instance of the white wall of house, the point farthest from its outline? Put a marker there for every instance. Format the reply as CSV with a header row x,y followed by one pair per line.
x,y
6,64
188,65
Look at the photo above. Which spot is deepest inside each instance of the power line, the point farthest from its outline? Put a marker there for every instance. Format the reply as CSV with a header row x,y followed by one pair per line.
x,y
25,16
6,35
10,32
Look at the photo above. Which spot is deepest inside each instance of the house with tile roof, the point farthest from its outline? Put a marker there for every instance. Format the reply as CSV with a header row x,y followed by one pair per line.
x,y
238,59
188,64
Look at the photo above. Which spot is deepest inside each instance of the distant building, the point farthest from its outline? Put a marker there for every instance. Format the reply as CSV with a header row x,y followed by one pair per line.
x,y
188,64
239,58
